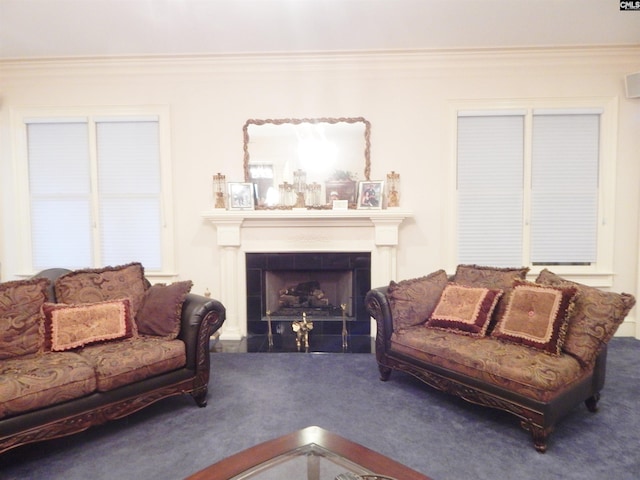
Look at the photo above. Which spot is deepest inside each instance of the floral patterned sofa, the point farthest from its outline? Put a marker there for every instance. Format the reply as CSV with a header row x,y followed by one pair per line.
x,y
535,350
80,348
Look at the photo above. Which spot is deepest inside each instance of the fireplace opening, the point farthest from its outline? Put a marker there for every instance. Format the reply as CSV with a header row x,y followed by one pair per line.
x,y
318,285
324,294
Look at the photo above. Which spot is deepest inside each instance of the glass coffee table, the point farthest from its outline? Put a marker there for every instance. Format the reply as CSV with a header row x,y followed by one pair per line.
x,y
312,454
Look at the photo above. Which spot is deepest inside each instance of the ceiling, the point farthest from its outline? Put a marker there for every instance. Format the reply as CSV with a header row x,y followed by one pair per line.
x,y
89,28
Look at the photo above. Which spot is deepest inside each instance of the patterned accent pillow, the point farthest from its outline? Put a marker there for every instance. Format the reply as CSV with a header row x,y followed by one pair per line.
x,y
100,284
537,316
465,309
596,317
161,310
412,301
73,326
21,316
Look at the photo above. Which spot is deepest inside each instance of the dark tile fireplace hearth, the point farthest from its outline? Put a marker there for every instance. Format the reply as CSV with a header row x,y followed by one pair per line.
x,y
317,284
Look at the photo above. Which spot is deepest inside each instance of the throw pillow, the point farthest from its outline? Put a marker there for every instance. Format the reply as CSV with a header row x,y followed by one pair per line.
x,y
21,316
596,317
412,301
161,310
465,309
100,284
537,316
73,326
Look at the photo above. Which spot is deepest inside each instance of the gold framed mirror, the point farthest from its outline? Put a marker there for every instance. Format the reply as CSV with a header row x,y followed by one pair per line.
x,y
325,149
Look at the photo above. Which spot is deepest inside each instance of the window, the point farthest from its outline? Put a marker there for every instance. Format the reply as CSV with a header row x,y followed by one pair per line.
x,y
532,187
97,186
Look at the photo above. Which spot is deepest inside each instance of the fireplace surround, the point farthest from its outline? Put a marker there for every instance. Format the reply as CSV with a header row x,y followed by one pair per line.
x,y
238,233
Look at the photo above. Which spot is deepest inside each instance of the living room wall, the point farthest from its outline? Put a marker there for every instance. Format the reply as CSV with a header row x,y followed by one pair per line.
x,y
407,97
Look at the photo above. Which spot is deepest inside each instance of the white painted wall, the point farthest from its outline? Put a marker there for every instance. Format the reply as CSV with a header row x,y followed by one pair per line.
x,y
405,96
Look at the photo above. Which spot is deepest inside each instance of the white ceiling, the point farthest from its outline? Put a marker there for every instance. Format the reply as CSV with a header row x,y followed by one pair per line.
x,y
63,28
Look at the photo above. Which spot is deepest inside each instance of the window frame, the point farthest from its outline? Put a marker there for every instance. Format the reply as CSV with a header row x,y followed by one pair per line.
x,y
19,123
600,273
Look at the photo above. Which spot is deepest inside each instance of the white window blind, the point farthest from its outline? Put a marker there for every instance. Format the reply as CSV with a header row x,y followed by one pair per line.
x,y
489,189
564,188
60,194
94,206
129,192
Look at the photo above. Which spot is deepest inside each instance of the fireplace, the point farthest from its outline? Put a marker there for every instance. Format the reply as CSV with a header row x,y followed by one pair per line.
x,y
284,286
238,233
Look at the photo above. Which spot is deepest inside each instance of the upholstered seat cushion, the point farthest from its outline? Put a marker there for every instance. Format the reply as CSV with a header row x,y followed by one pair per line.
x,y
127,361
35,381
524,370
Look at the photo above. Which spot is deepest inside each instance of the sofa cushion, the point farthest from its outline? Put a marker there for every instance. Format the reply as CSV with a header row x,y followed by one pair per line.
x,y
100,284
412,301
536,316
491,277
596,317
133,359
526,371
72,326
161,309
465,309
35,381
21,316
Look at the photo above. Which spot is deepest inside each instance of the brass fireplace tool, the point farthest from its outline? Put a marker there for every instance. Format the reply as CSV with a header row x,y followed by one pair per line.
x,y
302,329
345,344
269,332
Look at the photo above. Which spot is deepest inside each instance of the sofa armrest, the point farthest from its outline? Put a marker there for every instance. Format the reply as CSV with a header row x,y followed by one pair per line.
x,y
377,303
201,318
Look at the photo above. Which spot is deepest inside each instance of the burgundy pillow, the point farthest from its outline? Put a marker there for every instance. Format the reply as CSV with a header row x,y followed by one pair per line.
x,y
161,309
465,309
537,316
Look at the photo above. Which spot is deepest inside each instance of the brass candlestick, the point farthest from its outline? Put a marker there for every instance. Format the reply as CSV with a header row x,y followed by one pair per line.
x,y
393,189
219,187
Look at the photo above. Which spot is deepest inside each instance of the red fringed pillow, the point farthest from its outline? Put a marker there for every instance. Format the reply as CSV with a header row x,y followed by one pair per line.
x,y
74,326
537,316
465,309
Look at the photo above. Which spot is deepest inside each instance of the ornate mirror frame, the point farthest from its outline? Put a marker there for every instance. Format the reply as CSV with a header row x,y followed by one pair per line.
x,y
298,121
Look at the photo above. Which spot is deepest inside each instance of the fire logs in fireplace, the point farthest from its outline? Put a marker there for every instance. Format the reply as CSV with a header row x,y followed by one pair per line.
x,y
305,295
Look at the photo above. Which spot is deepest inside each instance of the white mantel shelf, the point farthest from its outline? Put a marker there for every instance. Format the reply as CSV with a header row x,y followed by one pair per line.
x,y
242,231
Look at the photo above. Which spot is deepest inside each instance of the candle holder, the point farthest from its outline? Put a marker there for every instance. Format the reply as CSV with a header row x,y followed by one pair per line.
x,y
393,189
300,186
219,188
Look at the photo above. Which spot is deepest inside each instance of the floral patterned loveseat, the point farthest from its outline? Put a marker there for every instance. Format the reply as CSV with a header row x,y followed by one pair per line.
x,y
535,350
80,348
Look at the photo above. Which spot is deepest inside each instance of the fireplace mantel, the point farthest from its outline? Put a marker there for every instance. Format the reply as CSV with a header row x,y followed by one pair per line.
x,y
245,231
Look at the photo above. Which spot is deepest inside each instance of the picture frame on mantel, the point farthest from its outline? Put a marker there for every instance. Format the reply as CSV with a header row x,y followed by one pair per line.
x,y
370,194
240,196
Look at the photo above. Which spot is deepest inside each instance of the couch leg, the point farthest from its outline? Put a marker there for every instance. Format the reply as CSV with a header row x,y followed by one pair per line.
x,y
385,372
200,396
592,402
539,435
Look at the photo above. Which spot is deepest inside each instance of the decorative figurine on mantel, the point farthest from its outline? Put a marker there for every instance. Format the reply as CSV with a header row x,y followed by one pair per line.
x,y
393,189
219,188
302,329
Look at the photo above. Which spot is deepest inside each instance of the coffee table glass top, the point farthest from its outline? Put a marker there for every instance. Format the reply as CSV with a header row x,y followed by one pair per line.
x,y
312,454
